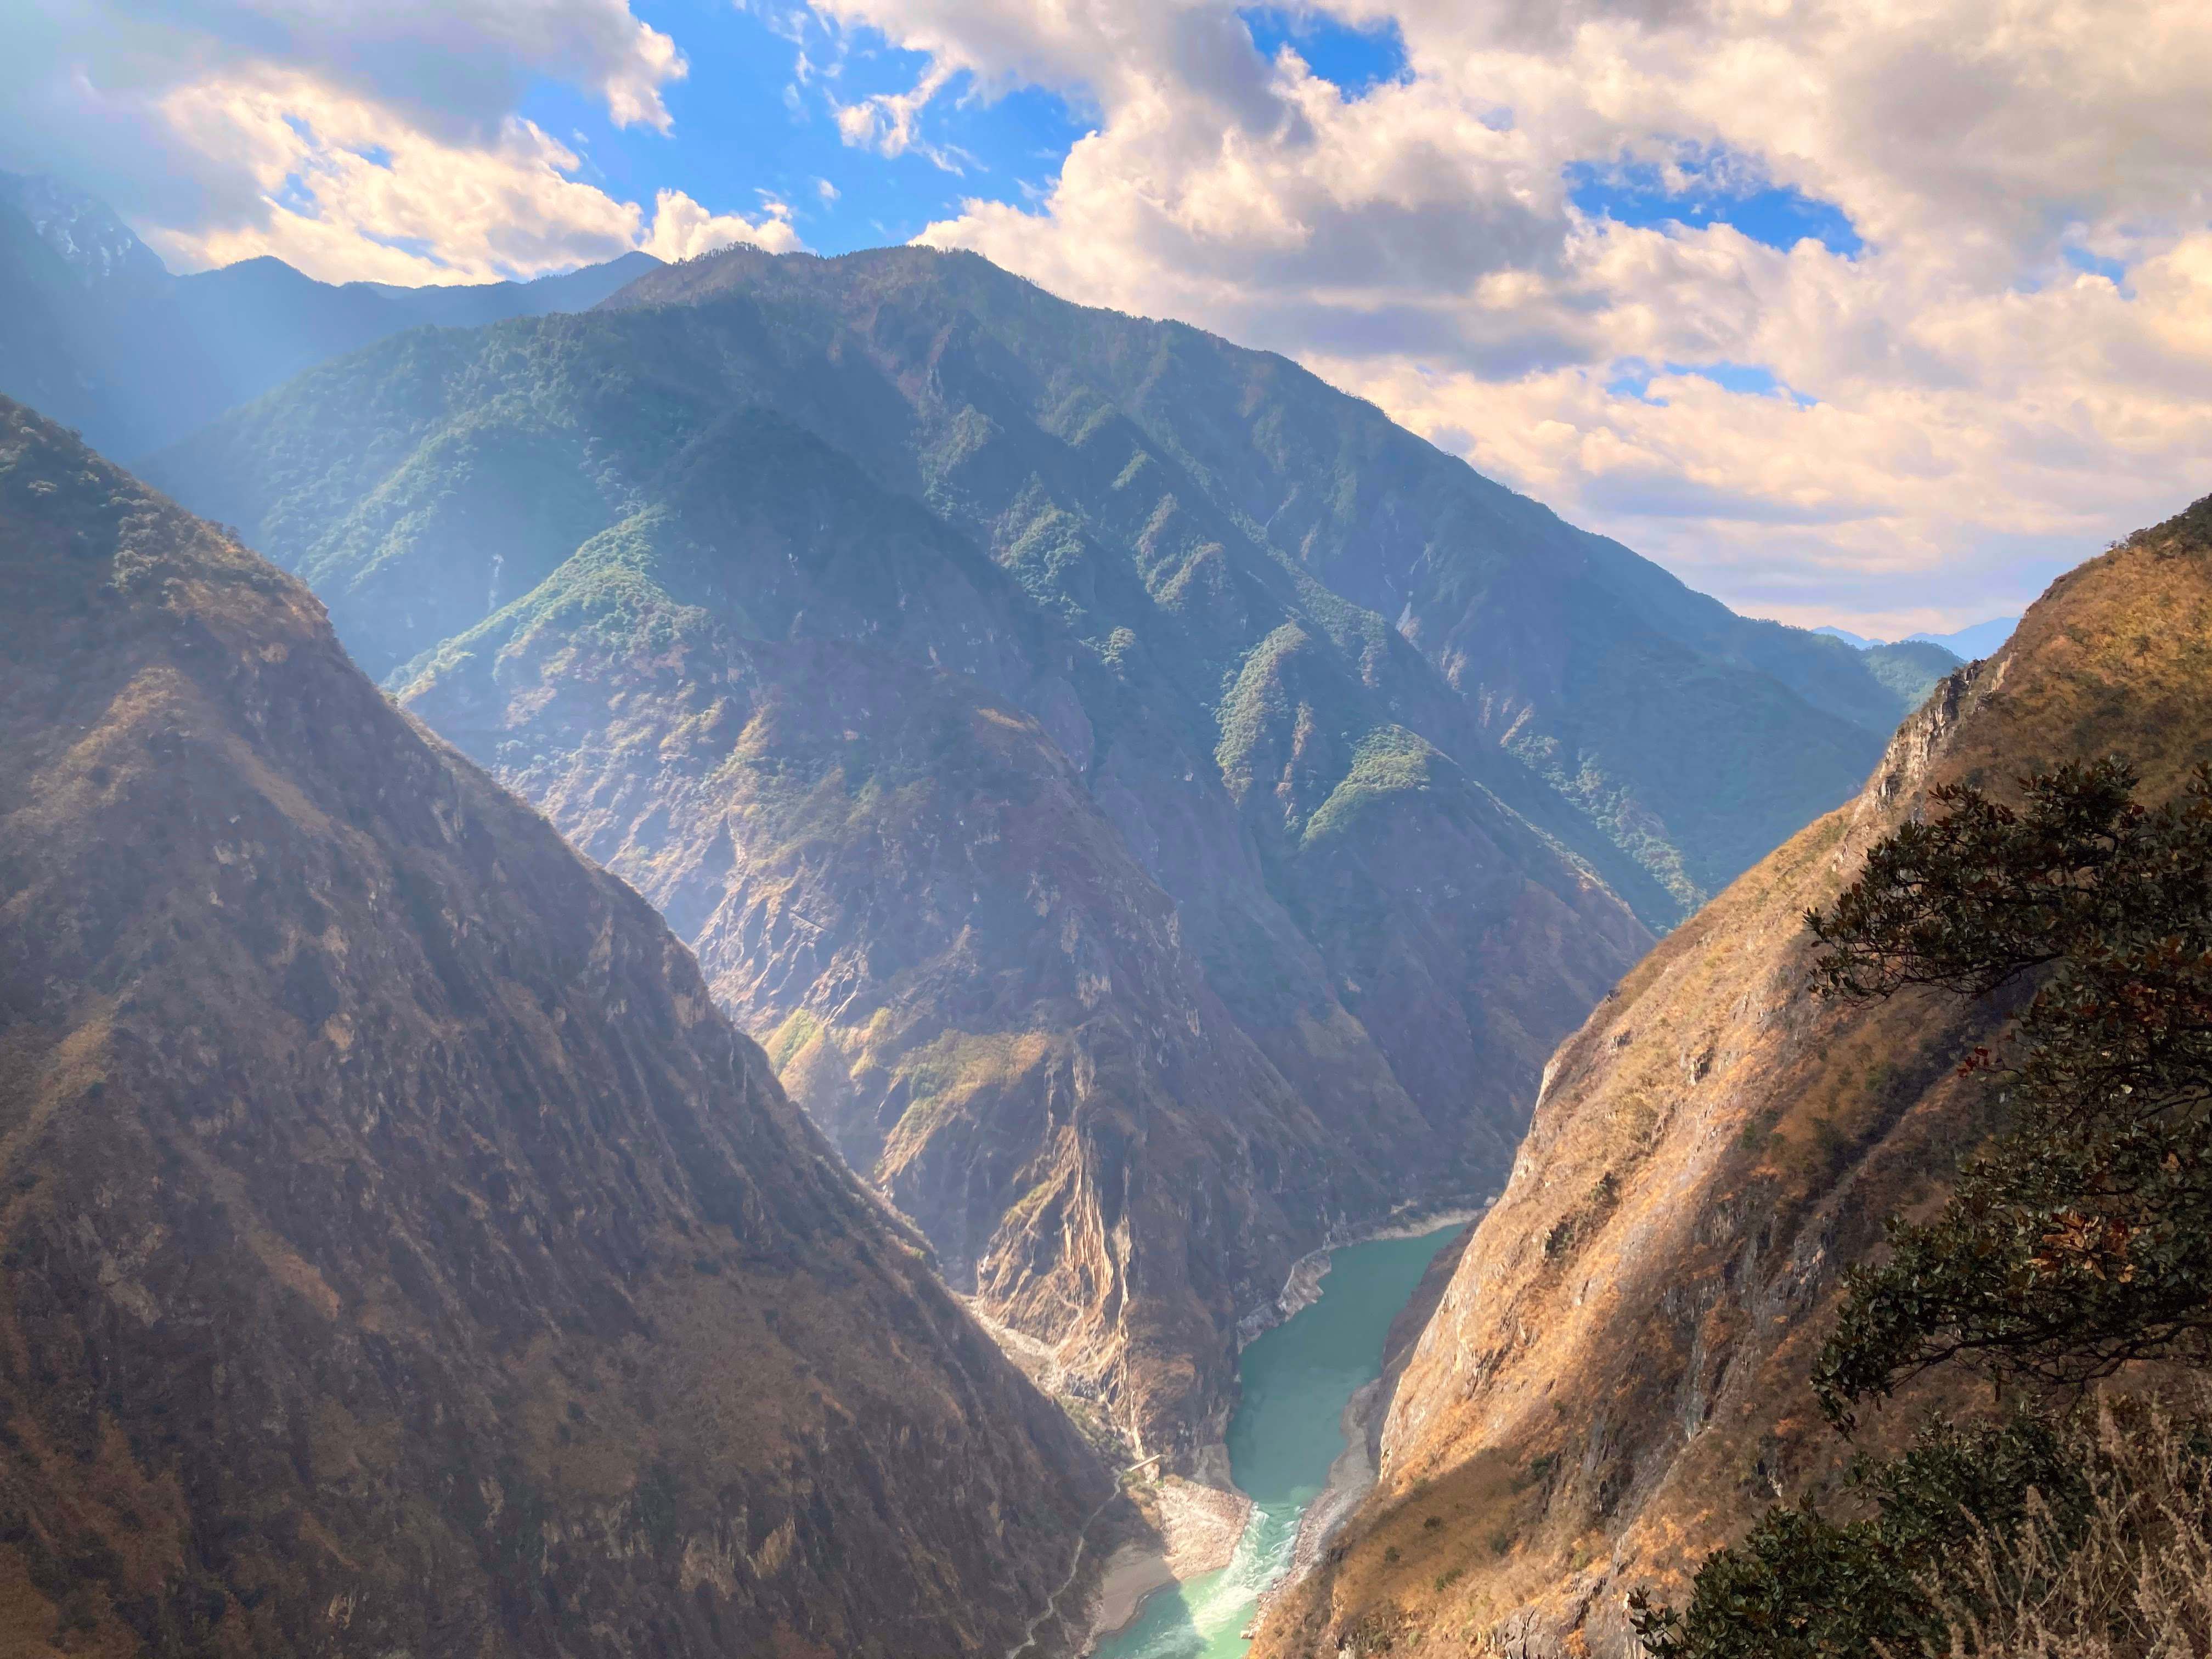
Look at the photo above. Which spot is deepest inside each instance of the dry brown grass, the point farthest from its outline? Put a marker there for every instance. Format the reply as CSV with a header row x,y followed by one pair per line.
x,y
2137,1584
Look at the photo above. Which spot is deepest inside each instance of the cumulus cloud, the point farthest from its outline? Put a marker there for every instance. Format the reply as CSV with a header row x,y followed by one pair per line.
x,y
682,229
352,138
1963,402
889,122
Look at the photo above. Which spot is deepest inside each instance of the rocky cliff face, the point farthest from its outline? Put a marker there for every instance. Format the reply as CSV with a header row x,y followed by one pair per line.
x,y
1131,908
1616,1380
402,1255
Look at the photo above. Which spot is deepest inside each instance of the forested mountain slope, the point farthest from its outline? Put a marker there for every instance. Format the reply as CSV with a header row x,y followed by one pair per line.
x,y
402,1252
1617,1379
1020,708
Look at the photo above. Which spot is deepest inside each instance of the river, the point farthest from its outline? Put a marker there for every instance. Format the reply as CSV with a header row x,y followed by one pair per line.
x,y
1295,1380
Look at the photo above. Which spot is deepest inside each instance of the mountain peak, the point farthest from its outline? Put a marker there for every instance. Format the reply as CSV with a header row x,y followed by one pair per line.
x,y
84,231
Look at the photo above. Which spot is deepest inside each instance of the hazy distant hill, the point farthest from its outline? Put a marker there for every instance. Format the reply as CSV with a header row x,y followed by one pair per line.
x,y
95,331
403,1256
1983,639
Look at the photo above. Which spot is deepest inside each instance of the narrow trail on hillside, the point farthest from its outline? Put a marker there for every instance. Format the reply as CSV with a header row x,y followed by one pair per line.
x,y
1074,1566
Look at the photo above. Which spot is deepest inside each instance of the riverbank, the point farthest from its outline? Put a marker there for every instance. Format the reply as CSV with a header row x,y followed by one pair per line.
x,y
1301,1288
1197,1528
1358,1466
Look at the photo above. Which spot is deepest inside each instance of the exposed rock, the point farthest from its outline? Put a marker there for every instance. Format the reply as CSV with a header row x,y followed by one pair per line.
x,y
402,1253
1004,699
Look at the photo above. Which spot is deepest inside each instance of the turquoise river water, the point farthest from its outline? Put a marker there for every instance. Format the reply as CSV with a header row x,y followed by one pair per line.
x,y
1288,1429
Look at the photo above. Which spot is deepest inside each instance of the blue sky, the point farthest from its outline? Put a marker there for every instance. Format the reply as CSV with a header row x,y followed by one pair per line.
x,y
746,126
754,120
751,123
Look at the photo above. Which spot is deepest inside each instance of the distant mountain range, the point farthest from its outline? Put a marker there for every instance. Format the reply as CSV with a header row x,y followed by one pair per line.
x,y
1969,644
1156,811
95,331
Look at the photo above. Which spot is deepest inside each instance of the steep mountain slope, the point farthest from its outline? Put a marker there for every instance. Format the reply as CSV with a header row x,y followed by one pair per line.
x,y
1910,667
1694,739
402,1253
847,756
1131,474
95,331
86,332
1616,1380
265,322
1271,809
577,546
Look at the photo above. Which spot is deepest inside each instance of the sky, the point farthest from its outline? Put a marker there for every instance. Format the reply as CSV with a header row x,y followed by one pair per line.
x,y
1874,312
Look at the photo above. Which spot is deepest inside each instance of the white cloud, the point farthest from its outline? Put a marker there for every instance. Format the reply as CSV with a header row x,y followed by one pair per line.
x,y
1983,411
888,123
353,193
352,138
682,229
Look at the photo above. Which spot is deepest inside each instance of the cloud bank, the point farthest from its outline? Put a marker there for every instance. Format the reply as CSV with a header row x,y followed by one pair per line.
x,y
355,139
1876,312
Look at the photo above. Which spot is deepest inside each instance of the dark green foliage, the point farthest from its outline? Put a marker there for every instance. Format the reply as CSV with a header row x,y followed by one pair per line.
x,y
1805,1587
2084,1238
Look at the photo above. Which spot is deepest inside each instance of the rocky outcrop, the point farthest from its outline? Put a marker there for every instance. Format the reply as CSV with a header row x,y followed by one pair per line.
x,y
1616,1380
402,1253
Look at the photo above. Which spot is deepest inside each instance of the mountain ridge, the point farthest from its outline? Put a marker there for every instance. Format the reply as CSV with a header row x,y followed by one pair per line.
x,y
100,333
605,551
403,1253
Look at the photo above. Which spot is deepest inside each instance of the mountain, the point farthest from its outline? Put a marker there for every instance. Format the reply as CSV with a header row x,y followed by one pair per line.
x,y
1983,639
403,1254
1002,697
94,330
1617,1378
1910,668
1857,640
97,247
1653,713
265,322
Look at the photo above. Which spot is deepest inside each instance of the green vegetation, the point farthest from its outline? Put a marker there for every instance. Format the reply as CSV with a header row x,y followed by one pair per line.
x,y
1909,668
2079,1244
1181,505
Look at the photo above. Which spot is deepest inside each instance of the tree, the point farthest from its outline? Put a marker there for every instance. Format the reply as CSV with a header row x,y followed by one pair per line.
x,y
2083,1240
